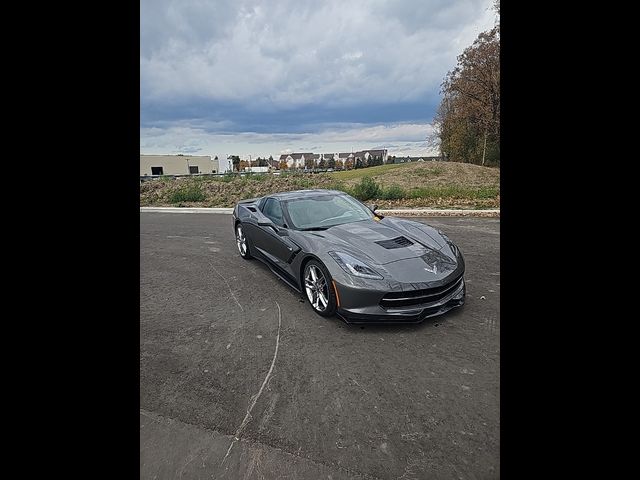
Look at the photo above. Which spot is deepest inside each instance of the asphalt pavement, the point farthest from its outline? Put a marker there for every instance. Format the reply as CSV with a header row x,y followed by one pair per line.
x,y
239,378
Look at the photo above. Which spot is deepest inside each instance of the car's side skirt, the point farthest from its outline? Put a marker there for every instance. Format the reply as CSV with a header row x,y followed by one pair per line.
x,y
277,271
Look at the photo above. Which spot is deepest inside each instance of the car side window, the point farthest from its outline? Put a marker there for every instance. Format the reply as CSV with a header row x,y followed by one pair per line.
x,y
273,210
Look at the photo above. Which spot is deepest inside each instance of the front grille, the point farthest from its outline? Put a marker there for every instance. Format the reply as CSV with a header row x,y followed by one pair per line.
x,y
419,297
397,242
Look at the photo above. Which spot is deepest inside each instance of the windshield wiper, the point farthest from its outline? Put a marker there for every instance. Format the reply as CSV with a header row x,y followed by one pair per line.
x,y
313,229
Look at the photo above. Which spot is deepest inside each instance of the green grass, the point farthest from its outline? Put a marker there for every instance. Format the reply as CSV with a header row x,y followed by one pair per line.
x,y
366,172
256,177
474,193
290,173
228,177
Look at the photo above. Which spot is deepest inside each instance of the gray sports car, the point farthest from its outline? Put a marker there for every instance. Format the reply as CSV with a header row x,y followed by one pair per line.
x,y
349,260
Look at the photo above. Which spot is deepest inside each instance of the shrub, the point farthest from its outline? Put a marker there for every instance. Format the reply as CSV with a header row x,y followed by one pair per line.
x,y
366,189
187,193
394,192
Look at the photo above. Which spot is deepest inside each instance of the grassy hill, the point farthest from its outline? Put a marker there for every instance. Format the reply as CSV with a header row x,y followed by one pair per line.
x,y
424,184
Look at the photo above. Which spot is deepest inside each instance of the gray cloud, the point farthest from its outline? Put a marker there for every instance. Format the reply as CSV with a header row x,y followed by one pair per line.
x,y
292,53
401,139
252,77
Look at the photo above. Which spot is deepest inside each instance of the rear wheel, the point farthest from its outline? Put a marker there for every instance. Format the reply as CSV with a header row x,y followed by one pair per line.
x,y
242,242
317,286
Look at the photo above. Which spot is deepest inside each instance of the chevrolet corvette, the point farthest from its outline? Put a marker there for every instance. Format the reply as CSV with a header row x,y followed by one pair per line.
x,y
350,261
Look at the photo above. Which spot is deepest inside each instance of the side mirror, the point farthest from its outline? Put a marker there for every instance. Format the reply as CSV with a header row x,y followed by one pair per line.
x,y
373,209
266,222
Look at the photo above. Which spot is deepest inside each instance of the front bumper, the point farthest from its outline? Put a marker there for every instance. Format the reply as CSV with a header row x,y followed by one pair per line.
x,y
374,313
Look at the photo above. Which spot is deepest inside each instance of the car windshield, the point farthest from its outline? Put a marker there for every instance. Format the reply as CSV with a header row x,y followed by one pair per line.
x,y
325,211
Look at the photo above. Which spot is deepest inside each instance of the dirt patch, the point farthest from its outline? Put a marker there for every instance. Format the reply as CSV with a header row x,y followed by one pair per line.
x,y
424,174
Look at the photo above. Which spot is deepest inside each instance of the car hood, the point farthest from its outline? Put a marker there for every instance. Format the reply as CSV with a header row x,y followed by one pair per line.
x,y
388,241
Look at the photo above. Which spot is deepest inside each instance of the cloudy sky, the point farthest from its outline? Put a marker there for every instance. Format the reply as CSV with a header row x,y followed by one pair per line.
x,y
260,78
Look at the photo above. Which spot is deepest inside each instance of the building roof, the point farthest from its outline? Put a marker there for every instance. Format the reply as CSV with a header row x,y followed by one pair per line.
x,y
298,156
376,152
174,155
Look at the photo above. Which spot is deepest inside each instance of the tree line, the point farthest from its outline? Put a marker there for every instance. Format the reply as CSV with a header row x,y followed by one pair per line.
x,y
468,118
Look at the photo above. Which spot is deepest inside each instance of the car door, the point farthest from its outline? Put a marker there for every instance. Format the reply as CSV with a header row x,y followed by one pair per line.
x,y
276,248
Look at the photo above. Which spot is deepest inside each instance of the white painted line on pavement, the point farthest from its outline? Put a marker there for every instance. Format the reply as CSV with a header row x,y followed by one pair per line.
x,y
255,398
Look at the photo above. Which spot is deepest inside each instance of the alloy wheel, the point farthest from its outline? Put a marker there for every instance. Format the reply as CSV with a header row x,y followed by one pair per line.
x,y
317,288
241,241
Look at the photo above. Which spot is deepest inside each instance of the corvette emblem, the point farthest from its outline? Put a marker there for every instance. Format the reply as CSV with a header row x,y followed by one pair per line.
x,y
433,269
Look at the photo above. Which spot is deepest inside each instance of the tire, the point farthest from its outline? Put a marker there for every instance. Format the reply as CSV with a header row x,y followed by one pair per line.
x,y
242,242
318,292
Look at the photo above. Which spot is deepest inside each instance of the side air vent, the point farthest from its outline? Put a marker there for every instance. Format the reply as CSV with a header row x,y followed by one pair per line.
x,y
398,242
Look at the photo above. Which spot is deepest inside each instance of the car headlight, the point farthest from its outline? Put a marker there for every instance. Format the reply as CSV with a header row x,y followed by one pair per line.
x,y
353,266
453,246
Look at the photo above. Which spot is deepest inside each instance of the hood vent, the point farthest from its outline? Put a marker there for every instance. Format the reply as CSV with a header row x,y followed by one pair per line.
x,y
398,242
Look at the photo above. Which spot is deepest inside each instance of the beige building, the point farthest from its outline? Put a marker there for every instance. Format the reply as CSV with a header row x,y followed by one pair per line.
x,y
177,164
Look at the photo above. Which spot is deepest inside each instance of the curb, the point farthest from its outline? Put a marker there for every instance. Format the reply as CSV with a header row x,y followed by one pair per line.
x,y
440,212
421,212
225,211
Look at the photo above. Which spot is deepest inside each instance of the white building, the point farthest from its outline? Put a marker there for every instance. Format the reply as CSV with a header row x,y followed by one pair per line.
x,y
178,164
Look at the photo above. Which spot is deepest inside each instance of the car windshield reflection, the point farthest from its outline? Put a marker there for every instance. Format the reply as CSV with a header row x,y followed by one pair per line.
x,y
322,212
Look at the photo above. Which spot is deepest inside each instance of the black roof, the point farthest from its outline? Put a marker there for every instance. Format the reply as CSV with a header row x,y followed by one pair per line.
x,y
298,156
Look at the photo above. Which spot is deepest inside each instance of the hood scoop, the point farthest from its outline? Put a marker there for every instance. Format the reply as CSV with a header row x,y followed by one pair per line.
x,y
398,242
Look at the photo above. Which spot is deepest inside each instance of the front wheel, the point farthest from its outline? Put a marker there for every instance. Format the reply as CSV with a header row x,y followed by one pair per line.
x,y
242,243
317,285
